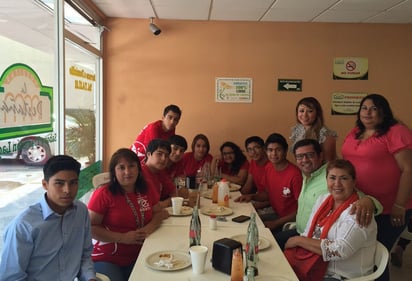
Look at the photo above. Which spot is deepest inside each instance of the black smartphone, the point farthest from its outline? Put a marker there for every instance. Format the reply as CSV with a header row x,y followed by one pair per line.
x,y
241,218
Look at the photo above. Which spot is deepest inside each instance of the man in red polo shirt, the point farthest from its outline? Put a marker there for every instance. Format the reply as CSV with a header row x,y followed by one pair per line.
x,y
160,129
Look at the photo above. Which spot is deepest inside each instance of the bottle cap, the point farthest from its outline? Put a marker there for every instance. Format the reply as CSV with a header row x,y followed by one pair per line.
x,y
213,216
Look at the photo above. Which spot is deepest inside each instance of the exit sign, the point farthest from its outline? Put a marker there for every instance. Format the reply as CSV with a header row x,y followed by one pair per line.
x,y
290,85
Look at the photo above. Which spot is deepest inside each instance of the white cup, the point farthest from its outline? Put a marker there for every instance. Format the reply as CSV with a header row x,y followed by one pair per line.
x,y
177,205
198,256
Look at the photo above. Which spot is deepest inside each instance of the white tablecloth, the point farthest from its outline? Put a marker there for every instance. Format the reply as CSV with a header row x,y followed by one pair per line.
x,y
173,235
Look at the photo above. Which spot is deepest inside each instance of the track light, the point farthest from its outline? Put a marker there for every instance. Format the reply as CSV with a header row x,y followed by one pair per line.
x,y
153,28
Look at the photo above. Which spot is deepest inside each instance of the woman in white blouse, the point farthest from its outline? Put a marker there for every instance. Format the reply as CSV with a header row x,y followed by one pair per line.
x,y
333,232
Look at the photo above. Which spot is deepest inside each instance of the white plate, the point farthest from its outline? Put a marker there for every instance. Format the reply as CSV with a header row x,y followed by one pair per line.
x,y
263,242
234,187
180,260
185,211
216,210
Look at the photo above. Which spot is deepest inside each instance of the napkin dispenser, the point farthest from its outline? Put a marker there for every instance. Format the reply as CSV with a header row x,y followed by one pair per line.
x,y
222,254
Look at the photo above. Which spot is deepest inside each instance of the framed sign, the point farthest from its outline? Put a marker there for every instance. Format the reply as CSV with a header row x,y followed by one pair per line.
x,y
346,103
233,90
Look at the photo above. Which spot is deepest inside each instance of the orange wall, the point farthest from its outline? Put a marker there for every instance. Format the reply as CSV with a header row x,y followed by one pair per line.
x,y
144,73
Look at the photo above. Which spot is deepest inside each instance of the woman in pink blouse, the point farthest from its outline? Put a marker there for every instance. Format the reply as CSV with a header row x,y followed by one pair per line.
x,y
380,147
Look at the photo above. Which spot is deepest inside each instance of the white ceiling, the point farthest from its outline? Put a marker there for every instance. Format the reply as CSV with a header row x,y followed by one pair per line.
x,y
344,11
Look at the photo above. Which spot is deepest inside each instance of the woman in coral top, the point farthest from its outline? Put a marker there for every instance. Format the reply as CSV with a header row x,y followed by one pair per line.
x,y
123,214
380,148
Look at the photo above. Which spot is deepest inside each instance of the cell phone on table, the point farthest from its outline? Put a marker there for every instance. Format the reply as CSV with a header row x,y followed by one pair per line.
x,y
241,218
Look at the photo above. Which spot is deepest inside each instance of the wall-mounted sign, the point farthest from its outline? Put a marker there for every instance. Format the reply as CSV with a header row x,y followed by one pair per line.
x,y
233,90
350,68
291,85
346,103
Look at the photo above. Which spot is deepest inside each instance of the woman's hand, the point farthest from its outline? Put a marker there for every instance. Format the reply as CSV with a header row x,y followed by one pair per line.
x,y
364,209
133,237
397,215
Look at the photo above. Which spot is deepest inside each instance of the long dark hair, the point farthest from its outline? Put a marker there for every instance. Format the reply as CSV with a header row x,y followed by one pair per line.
x,y
384,111
130,156
240,158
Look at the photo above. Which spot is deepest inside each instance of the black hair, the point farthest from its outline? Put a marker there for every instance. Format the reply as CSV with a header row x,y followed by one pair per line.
x,y
130,156
384,111
240,158
60,163
173,108
255,139
178,140
277,138
156,144
316,146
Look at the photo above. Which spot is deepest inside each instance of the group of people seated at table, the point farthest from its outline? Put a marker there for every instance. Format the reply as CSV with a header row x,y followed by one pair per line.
x,y
341,207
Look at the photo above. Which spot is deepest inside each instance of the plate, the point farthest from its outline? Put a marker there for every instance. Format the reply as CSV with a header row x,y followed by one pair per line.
x,y
234,187
263,242
179,260
185,211
216,210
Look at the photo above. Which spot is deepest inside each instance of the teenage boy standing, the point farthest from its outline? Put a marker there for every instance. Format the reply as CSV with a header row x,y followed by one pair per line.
x,y
160,129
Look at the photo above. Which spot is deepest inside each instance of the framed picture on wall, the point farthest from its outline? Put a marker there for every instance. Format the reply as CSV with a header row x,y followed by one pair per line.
x,y
233,90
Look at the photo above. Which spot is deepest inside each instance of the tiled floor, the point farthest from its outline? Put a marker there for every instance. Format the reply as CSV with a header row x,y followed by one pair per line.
x,y
403,273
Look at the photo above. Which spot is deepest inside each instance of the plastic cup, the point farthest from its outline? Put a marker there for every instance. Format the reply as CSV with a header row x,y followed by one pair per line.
x,y
198,256
177,205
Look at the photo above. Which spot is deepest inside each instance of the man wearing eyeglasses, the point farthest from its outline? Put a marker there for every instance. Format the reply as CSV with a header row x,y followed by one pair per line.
x,y
255,149
309,158
282,182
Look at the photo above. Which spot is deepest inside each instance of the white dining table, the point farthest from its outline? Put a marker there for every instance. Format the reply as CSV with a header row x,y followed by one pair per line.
x,y
173,236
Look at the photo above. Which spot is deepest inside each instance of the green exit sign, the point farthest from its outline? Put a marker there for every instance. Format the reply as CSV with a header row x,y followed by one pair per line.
x,y
290,85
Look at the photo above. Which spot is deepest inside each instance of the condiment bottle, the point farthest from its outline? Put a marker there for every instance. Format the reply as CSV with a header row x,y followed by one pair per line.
x,y
223,195
252,246
215,192
195,228
236,273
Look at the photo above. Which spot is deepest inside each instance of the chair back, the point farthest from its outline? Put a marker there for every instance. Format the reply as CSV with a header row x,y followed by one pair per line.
x,y
102,277
381,261
406,234
101,179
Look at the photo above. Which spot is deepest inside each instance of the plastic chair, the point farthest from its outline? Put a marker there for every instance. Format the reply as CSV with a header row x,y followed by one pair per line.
x,y
102,277
101,179
289,225
381,260
406,234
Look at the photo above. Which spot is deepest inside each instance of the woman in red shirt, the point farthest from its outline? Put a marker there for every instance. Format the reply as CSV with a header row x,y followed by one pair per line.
x,y
122,215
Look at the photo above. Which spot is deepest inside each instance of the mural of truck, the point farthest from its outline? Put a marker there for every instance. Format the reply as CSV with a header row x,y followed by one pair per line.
x,y
26,116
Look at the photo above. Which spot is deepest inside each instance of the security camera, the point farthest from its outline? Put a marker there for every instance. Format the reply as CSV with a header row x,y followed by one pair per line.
x,y
154,29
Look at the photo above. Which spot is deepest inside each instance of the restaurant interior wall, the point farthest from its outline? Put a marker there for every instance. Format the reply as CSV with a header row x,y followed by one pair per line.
x,y
144,73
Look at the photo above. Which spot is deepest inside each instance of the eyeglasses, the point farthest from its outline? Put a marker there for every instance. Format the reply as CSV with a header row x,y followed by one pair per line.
x,y
308,155
228,153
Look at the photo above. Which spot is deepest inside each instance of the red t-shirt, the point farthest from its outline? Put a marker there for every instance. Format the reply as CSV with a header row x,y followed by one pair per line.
x,y
283,188
119,217
191,165
159,182
258,174
151,131
226,170
175,170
